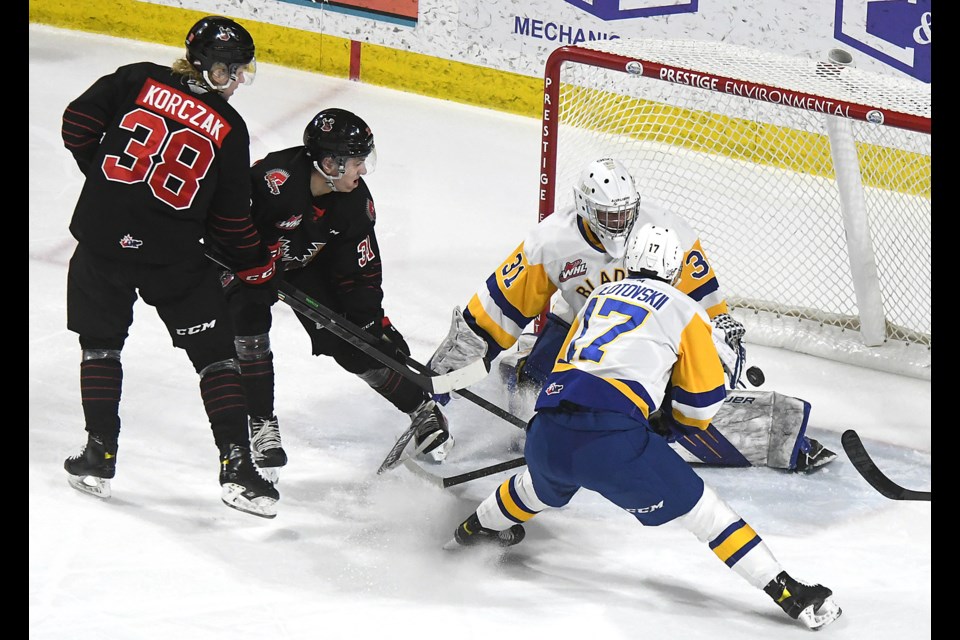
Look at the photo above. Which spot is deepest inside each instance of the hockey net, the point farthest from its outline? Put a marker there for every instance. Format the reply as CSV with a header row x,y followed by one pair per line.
x,y
809,182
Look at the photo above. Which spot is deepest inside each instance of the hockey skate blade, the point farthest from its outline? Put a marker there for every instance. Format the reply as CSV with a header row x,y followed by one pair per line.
x,y
823,458
232,496
91,485
453,545
816,620
389,464
270,474
439,454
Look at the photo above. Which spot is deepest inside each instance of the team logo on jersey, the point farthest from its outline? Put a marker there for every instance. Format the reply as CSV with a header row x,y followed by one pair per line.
x,y
309,253
553,389
573,269
371,212
290,223
275,179
129,242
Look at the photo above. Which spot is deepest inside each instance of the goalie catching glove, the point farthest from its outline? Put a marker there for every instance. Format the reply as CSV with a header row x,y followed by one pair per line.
x,y
728,338
460,348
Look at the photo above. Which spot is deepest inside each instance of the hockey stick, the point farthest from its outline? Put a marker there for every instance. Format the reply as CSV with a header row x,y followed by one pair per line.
x,y
343,328
350,332
863,463
425,379
450,481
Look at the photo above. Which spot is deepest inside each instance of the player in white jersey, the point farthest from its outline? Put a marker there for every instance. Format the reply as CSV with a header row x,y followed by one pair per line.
x,y
630,341
573,251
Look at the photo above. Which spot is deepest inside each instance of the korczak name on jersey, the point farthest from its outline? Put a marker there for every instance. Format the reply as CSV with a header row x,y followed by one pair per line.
x,y
173,104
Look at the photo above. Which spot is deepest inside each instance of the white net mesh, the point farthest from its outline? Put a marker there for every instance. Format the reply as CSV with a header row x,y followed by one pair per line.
x,y
757,179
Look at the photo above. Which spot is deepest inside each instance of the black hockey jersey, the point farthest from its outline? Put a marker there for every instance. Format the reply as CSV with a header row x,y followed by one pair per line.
x,y
166,164
330,237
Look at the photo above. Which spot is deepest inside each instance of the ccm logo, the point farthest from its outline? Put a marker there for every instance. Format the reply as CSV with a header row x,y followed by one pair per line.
x,y
189,331
649,509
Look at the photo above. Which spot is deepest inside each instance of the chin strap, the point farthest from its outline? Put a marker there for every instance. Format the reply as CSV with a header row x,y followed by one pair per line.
x,y
328,178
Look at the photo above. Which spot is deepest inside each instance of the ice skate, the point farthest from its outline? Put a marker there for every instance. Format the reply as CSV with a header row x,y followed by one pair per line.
x,y
810,604
265,445
813,455
470,533
90,470
430,424
243,488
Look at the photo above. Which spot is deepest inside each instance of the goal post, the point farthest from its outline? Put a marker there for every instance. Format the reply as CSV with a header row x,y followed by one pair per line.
x,y
808,180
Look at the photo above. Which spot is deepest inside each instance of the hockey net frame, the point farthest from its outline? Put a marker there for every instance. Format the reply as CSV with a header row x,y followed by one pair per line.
x,y
809,182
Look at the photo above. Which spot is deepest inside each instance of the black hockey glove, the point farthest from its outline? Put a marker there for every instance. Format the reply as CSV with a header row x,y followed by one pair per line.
x,y
259,285
391,335
391,341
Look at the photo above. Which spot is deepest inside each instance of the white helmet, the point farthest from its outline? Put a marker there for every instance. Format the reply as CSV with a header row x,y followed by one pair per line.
x,y
607,199
654,251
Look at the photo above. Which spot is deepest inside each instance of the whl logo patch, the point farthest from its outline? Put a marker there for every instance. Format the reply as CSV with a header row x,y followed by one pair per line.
x,y
290,223
573,269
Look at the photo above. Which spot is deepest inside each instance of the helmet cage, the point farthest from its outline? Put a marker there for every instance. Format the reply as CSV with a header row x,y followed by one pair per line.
x,y
605,196
611,220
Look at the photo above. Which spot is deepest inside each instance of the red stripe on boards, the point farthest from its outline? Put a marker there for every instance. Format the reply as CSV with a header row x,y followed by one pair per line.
x,y
354,60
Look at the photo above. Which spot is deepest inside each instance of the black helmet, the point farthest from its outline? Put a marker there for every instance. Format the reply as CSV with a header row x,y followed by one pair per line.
x,y
215,41
337,133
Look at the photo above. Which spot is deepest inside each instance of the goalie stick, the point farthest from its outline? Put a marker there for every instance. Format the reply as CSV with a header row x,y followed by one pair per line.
x,y
864,464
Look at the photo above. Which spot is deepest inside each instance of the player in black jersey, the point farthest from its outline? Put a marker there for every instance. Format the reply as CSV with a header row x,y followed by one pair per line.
x,y
166,161
314,209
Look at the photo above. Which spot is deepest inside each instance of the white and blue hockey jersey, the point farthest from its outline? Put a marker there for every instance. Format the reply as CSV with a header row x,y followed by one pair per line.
x,y
562,255
629,341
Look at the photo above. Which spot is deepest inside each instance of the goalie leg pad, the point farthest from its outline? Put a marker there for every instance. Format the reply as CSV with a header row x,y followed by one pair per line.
x,y
766,427
709,446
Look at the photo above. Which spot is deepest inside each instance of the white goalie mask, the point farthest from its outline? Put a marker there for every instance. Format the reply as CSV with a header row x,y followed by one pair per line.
x,y
654,251
606,197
